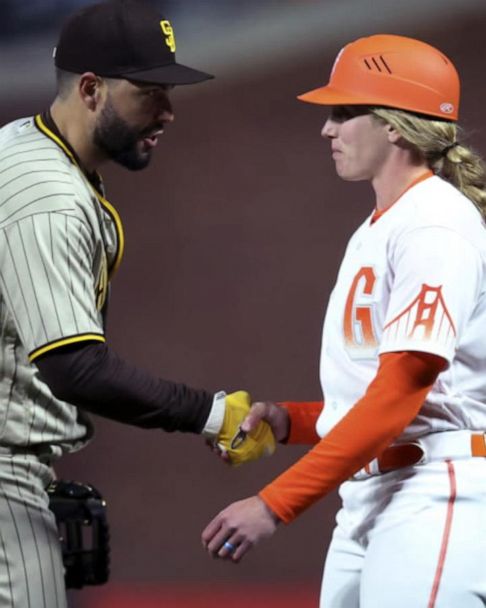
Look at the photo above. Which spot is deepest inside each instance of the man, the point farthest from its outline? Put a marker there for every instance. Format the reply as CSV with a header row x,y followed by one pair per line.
x,y
61,242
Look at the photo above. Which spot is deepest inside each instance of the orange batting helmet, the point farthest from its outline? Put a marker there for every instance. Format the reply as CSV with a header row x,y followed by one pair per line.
x,y
392,71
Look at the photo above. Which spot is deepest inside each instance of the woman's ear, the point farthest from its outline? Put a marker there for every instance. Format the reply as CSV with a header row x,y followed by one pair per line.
x,y
393,135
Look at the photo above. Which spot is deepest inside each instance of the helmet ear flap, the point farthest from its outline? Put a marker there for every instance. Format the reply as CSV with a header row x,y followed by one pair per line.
x,y
392,71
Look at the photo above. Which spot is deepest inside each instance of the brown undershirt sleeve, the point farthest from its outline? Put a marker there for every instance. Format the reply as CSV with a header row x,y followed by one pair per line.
x,y
94,378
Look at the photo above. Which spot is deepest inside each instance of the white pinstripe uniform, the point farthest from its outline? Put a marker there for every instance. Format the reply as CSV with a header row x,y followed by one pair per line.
x,y
414,280
60,240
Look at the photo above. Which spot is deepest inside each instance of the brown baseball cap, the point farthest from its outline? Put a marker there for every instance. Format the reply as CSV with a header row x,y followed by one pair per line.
x,y
123,39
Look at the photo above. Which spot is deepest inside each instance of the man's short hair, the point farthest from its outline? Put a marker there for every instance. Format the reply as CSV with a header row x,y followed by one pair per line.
x,y
65,82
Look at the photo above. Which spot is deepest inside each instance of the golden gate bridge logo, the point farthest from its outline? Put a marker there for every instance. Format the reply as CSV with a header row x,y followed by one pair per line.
x,y
426,318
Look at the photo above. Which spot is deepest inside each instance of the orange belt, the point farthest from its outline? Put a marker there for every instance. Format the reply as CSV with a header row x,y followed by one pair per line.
x,y
425,449
478,444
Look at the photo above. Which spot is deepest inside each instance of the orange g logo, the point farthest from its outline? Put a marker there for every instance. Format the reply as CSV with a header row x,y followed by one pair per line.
x,y
359,334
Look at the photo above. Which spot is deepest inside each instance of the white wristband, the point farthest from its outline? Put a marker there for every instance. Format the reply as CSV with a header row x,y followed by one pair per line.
x,y
216,416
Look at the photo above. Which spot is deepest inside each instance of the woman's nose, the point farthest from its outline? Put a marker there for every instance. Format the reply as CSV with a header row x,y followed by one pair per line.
x,y
329,129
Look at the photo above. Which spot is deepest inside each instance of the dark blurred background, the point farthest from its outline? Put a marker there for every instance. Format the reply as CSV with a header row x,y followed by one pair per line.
x,y
233,239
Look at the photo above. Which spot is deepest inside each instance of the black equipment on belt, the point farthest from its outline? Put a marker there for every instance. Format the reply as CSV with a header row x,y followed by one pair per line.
x,y
80,513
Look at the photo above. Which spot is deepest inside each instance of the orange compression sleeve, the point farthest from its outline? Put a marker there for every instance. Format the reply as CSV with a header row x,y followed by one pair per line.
x,y
390,403
303,416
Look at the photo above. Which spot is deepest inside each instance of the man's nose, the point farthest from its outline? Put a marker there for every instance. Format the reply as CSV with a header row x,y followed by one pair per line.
x,y
163,109
166,115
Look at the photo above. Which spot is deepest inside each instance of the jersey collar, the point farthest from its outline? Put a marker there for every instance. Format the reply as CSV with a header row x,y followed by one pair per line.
x,y
46,125
422,177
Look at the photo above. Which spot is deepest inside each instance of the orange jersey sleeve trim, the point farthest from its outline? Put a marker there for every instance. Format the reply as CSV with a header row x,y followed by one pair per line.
x,y
303,417
391,402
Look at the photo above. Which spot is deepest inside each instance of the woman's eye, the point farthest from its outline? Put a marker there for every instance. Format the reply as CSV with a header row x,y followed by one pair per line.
x,y
343,113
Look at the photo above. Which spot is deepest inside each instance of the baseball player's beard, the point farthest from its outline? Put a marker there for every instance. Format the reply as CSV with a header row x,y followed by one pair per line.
x,y
121,142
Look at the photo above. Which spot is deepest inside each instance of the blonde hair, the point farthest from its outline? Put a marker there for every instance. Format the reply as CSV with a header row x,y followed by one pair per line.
x,y
436,141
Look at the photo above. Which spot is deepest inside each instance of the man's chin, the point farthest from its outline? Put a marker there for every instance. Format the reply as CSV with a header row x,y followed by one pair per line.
x,y
133,162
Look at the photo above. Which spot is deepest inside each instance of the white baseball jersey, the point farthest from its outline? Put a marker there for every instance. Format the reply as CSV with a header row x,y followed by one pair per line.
x,y
414,280
60,240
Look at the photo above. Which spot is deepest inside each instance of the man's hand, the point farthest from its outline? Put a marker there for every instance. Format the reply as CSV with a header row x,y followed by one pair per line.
x,y
239,445
234,531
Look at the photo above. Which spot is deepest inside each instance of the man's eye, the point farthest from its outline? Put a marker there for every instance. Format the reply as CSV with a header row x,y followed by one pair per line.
x,y
156,93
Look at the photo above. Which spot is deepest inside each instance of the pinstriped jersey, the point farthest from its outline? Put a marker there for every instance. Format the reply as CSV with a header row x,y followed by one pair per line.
x,y
60,241
414,280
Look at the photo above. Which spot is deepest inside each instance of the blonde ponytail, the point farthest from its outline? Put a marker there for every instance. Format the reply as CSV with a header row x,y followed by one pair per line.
x,y
437,141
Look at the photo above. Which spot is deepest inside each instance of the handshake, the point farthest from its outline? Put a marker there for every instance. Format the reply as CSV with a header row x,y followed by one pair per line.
x,y
238,445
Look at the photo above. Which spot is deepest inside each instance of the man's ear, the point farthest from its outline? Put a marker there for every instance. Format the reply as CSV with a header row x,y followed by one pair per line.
x,y
89,87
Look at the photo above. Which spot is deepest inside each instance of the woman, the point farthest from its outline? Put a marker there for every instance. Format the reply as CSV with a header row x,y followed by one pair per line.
x,y
403,355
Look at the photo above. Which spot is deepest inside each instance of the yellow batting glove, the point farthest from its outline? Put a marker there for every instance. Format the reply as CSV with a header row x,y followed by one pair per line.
x,y
240,446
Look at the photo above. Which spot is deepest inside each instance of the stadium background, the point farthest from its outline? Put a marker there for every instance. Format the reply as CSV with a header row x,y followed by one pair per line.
x,y
234,235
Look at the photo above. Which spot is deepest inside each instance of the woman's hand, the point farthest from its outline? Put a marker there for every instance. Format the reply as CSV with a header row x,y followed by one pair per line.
x,y
236,529
277,417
